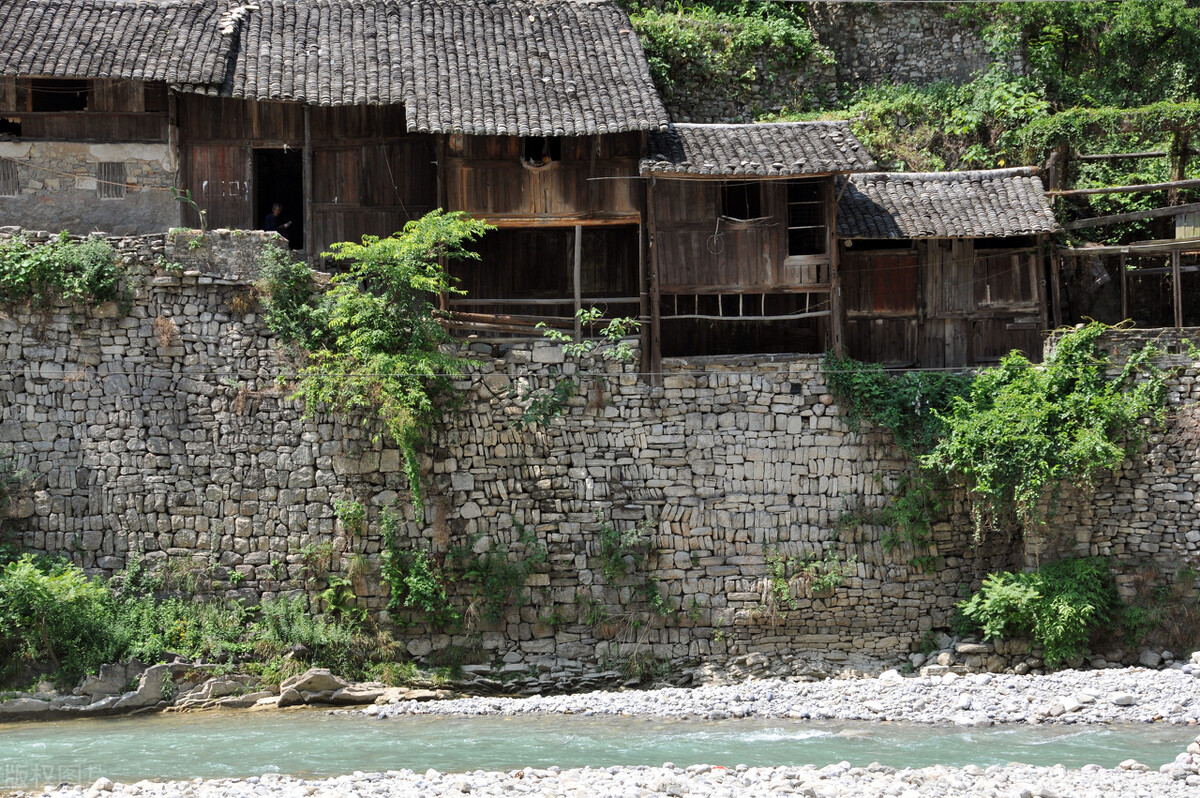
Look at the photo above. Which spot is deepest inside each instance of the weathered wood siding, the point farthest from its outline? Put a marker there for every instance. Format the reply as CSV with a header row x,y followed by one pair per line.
x,y
368,174
701,251
595,178
117,110
942,303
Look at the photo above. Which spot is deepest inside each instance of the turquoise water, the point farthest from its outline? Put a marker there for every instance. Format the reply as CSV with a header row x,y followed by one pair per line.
x,y
306,743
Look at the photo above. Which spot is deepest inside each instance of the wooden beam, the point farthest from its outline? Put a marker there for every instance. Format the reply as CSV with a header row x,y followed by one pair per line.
x,y
1160,247
655,293
812,314
1120,156
1153,213
577,280
1176,292
1056,289
307,179
1081,192
1124,290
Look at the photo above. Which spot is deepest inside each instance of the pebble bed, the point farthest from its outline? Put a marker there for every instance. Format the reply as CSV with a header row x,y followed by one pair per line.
x,y
1108,696
1127,695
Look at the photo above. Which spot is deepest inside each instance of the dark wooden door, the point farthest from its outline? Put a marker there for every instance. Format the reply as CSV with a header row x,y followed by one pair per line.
x,y
218,177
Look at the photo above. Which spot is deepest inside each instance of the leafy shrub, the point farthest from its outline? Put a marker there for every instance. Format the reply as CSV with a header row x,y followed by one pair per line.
x,y
1024,430
381,352
722,46
292,307
1059,606
50,613
59,269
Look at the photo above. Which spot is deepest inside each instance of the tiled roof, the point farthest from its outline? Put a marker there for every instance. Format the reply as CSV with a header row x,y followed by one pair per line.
x,y
502,67
170,40
781,149
984,204
518,67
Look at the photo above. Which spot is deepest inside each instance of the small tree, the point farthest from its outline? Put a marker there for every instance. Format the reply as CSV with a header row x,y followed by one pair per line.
x,y
379,350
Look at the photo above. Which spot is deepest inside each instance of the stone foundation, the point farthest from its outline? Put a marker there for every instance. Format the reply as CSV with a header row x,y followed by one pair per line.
x,y
164,431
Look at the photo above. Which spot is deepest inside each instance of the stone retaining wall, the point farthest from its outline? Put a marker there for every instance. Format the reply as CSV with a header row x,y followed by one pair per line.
x,y
166,433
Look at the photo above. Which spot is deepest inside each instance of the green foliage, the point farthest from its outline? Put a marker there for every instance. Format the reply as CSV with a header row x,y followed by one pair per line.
x,y
415,580
622,551
1059,606
1123,53
827,573
911,511
292,308
378,338
1024,430
723,47
1162,613
60,269
352,515
496,576
541,406
12,479
51,613
903,403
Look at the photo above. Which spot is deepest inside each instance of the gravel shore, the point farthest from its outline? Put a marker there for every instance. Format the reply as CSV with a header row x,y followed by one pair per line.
x,y
1106,696
1127,695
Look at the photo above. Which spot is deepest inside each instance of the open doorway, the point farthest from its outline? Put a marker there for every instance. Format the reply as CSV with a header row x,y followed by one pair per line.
x,y
279,180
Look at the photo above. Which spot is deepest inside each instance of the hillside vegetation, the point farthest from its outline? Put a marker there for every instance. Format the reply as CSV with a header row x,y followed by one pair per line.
x,y
1097,77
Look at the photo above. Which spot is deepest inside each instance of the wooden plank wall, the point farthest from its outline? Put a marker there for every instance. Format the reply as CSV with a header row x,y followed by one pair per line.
x,y
369,175
700,251
118,110
597,177
942,303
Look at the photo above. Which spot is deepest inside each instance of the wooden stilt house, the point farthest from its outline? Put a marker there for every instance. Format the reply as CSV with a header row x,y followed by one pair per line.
x,y
741,235
943,269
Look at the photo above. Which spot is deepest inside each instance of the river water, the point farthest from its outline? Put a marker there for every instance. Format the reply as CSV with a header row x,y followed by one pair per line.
x,y
309,743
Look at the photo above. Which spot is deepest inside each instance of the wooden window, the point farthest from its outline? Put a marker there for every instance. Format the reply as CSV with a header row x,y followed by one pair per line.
x,y
807,228
9,185
110,180
741,200
53,94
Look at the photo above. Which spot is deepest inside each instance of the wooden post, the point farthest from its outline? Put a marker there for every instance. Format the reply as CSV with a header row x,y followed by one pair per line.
x,y
1124,291
655,292
1176,291
643,299
837,338
1178,153
309,237
1056,290
439,150
173,145
577,280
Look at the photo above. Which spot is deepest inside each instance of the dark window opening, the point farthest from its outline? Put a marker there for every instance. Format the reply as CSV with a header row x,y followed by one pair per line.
x,y
155,97
279,181
51,94
539,150
10,185
741,200
10,127
110,180
1014,242
807,229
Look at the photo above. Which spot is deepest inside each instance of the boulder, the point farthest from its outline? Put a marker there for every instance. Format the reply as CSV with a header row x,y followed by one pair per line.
x,y
112,679
358,694
150,689
289,698
1122,699
24,707
1150,659
314,680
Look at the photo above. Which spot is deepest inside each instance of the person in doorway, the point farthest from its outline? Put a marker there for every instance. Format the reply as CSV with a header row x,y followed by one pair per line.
x,y
274,220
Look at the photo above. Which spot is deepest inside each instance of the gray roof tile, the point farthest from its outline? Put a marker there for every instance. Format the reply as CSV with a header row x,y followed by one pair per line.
x,y
177,41
982,204
779,149
515,67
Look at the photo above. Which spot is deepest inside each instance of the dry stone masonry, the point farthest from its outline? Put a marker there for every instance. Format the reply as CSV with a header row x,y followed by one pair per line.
x,y
161,428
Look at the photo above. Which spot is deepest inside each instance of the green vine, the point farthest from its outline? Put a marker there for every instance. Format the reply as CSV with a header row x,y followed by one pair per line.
x,y
60,269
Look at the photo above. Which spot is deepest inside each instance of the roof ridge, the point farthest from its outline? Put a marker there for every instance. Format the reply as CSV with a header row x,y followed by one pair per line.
x,y
952,175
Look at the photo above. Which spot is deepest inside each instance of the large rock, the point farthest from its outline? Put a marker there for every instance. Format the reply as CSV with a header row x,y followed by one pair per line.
x,y
150,689
365,693
314,680
1149,659
24,707
113,679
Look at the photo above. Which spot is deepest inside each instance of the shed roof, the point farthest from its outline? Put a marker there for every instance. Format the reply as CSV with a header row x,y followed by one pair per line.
x,y
777,149
176,41
980,204
498,67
